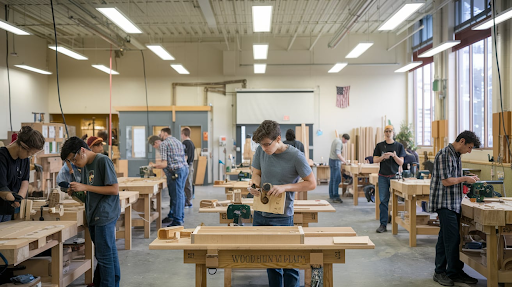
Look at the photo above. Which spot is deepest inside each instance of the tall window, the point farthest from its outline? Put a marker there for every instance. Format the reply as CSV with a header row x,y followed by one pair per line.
x,y
474,76
468,12
423,104
424,36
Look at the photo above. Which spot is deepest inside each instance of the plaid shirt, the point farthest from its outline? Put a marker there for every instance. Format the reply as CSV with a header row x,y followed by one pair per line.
x,y
446,165
173,151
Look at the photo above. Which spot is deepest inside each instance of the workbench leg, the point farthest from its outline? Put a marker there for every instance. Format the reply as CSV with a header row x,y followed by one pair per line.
x,y
128,227
412,220
89,254
159,210
307,277
355,181
147,215
57,264
492,256
200,275
377,202
394,212
328,280
227,277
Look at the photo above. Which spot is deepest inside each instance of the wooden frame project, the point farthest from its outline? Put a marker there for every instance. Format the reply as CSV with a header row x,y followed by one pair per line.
x,y
360,170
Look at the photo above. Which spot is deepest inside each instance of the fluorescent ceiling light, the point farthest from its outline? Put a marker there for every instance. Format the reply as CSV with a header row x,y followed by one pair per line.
x,y
105,69
261,18
408,67
68,52
401,15
119,19
180,69
260,51
12,28
33,69
505,15
160,51
260,68
208,13
337,67
359,49
438,49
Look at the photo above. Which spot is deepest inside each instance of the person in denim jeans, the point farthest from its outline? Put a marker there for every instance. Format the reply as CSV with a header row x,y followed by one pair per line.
x,y
390,154
176,169
102,206
282,166
335,161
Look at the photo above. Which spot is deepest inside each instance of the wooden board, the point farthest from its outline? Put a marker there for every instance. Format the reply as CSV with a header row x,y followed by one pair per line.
x,y
274,205
200,170
352,240
328,231
248,235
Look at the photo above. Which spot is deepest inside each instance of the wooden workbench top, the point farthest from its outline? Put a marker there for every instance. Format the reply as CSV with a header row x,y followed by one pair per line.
x,y
362,168
238,170
300,206
237,184
142,185
140,181
489,213
411,186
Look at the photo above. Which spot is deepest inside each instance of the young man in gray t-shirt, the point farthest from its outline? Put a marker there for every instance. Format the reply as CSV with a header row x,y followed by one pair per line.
x,y
102,207
282,166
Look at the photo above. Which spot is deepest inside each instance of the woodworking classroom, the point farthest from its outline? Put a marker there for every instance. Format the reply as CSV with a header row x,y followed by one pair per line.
x,y
255,143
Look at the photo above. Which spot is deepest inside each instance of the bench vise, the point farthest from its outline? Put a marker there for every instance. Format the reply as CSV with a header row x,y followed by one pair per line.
x,y
146,171
237,212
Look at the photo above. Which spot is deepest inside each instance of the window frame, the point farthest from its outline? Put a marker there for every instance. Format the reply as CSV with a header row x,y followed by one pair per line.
x,y
415,105
460,128
459,26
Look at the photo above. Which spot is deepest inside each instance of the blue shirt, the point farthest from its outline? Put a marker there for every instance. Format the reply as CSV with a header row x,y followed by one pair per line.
x,y
283,168
65,176
447,164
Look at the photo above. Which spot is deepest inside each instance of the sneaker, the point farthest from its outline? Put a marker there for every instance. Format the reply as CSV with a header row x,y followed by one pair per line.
x,y
175,224
331,200
381,229
167,220
339,200
442,279
188,206
462,277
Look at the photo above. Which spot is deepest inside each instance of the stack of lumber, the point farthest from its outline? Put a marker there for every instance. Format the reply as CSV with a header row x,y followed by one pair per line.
x,y
366,139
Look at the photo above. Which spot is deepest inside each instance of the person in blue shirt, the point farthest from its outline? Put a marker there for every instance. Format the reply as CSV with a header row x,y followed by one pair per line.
x,y
102,207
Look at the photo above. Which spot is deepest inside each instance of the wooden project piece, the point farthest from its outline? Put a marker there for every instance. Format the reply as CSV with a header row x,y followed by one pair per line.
x,y
170,232
237,196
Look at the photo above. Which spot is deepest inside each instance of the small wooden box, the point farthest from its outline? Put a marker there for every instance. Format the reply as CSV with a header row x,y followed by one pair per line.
x,y
248,235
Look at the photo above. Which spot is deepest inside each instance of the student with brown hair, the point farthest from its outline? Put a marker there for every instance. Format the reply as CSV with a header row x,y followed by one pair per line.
x,y
189,157
15,169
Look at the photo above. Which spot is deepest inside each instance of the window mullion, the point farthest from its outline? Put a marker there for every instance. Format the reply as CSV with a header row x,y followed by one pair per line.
x,y
471,88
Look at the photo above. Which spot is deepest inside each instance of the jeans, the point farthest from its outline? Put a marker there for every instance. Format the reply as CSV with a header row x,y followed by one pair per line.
x,y
335,180
384,184
176,192
5,218
107,273
188,184
447,247
276,276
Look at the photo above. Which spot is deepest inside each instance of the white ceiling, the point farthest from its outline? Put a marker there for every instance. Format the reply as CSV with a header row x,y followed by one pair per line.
x,y
182,20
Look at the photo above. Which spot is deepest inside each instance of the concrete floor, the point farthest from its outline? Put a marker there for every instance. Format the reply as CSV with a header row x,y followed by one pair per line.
x,y
391,263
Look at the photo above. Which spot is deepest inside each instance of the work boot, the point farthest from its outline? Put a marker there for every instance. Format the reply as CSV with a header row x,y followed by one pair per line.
x,y
339,200
462,277
442,279
167,220
381,229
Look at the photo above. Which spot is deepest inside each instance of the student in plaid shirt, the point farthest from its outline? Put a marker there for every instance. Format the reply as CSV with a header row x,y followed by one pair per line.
x,y
445,199
176,170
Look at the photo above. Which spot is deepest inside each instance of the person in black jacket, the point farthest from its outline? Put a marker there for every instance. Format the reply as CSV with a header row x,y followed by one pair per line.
x,y
189,156
15,169
290,139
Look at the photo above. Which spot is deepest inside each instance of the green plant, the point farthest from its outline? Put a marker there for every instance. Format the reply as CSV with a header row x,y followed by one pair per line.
x,y
406,136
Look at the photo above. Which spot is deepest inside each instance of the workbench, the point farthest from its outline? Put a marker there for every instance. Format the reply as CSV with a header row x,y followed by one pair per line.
x,y
236,171
148,188
317,248
360,170
412,190
495,220
21,240
305,211
374,179
232,185
126,199
323,173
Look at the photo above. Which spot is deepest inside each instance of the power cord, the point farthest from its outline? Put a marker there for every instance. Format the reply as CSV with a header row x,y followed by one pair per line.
x,y
57,68
7,63
499,77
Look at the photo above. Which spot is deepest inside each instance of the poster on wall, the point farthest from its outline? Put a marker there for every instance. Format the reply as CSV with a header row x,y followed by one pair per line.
x,y
342,99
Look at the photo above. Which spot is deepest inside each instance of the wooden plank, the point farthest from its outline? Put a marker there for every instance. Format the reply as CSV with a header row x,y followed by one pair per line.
x,y
200,170
351,240
248,235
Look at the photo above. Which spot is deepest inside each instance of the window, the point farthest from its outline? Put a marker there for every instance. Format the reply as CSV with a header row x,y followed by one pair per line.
x,y
423,37
423,104
474,77
468,12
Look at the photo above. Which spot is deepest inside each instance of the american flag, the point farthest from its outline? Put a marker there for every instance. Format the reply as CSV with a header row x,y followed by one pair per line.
x,y
342,96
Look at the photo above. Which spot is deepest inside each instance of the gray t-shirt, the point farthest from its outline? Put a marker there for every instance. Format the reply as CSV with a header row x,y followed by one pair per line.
x,y
336,148
283,168
100,209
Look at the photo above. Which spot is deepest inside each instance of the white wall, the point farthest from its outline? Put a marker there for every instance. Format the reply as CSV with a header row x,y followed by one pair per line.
x,y
375,90
29,91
